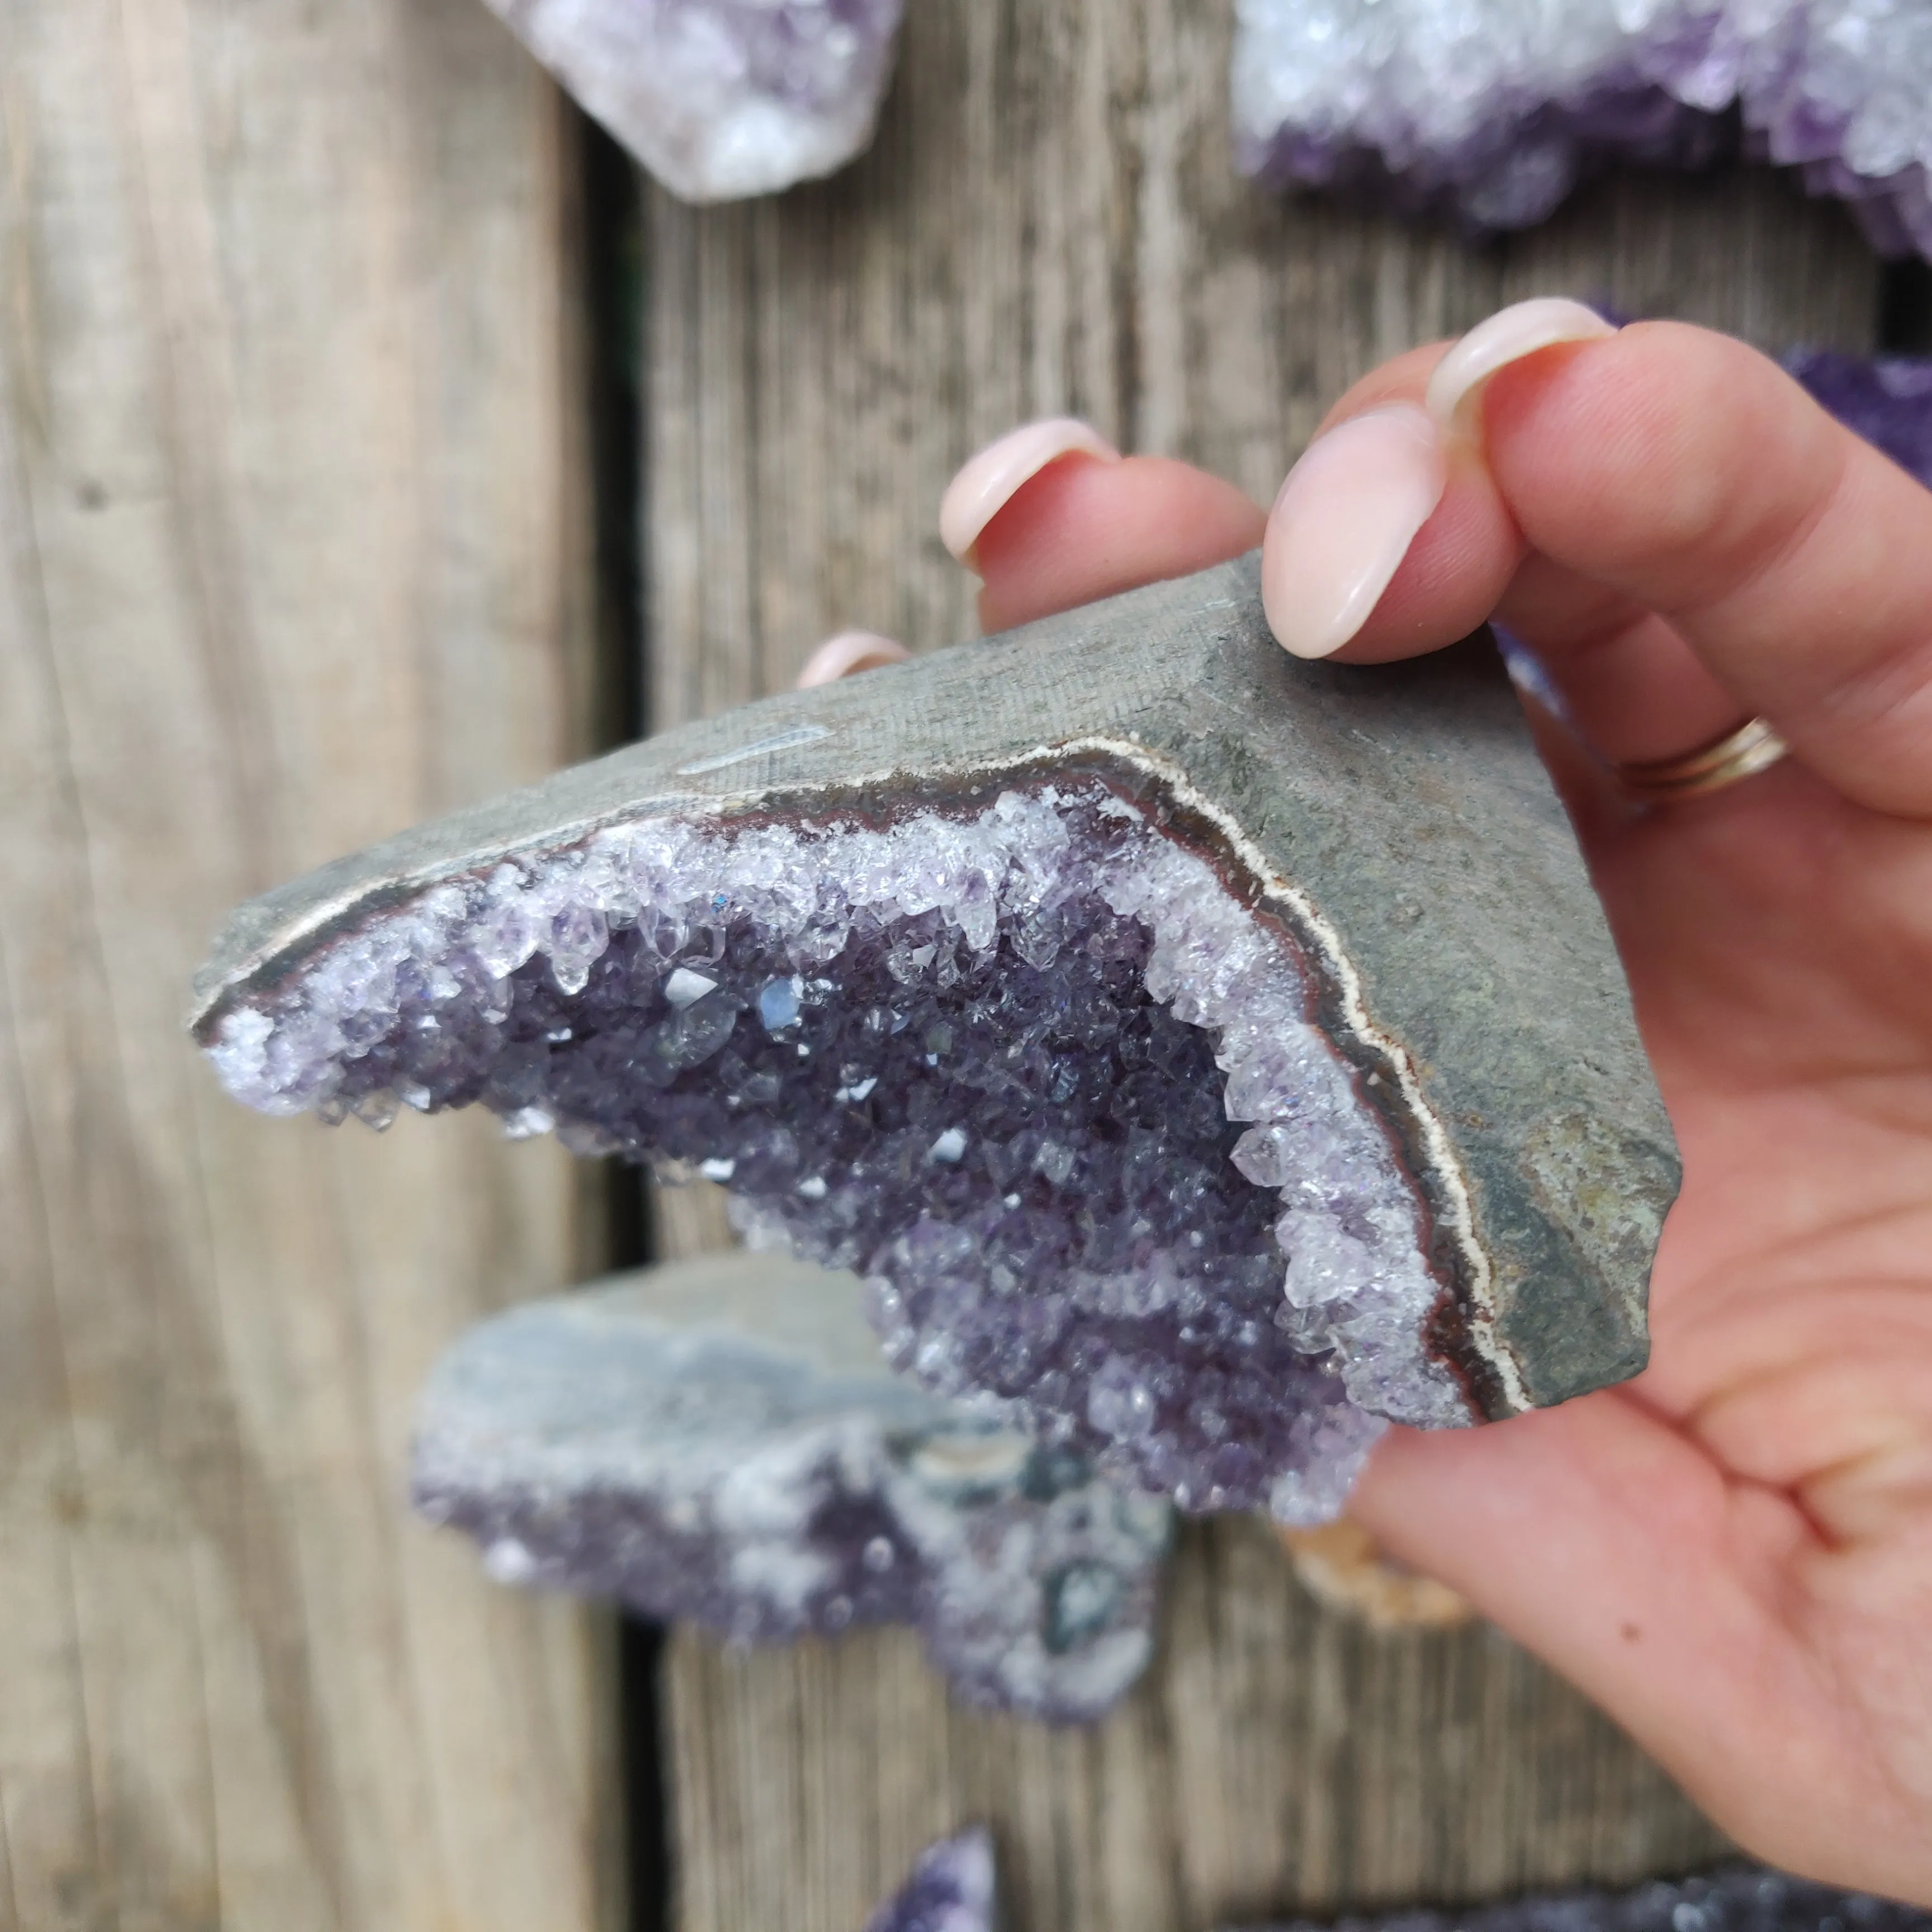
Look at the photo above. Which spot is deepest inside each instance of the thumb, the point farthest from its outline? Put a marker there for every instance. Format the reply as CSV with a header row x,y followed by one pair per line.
x,y
1680,532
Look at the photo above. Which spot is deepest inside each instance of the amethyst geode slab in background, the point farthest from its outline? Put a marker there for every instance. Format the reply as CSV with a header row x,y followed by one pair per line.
x,y
721,98
1738,1898
1203,1055
719,1441
1494,109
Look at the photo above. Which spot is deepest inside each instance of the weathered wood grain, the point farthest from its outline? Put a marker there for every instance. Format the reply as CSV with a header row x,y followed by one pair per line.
x,y
292,551
1275,1753
1049,222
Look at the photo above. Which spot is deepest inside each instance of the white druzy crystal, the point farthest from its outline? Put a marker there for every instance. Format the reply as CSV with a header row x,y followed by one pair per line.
x,y
1494,106
1034,1068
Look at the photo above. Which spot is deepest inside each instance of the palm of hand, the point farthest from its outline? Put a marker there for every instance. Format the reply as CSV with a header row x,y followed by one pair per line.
x,y
1763,1493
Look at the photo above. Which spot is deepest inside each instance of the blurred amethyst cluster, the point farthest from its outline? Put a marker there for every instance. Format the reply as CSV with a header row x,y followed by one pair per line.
x,y
1029,1067
950,1889
1494,108
1739,1898
719,1441
721,98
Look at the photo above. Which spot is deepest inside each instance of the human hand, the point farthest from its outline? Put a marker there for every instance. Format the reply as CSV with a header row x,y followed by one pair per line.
x,y
1733,1553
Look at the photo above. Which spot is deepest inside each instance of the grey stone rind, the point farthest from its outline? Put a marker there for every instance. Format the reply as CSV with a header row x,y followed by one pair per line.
x,y
1399,815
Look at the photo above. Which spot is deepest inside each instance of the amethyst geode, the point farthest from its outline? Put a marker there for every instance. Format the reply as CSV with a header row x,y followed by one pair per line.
x,y
721,98
1202,1056
1495,109
718,1440
966,1052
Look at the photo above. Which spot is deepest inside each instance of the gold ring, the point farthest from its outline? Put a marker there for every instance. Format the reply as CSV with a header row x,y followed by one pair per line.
x,y
1752,747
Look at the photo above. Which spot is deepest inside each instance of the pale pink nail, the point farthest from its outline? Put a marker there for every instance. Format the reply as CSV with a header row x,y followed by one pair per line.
x,y
987,483
850,651
1510,334
1343,522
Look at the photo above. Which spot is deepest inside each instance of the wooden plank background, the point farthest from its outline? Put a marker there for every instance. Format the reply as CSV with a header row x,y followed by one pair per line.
x,y
296,542
292,551
1049,221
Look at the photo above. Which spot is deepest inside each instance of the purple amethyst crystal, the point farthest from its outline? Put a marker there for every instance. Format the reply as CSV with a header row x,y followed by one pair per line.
x,y
719,1441
1029,1067
1888,400
950,1889
721,98
1495,110
1740,1898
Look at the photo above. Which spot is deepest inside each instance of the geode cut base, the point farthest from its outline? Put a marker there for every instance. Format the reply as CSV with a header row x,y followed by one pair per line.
x,y
719,1442
1203,1056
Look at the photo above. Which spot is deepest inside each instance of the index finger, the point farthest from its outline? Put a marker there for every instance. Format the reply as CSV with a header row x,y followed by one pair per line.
x,y
1676,496
1684,472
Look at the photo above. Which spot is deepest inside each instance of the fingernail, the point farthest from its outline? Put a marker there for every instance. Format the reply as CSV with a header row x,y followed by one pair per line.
x,y
850,651
987,483
1510,334
1343,522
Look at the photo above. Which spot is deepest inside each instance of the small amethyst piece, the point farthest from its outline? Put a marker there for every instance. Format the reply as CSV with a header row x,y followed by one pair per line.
x,y
1201,1054
950,1889
719,1441
721,98
1494,108
1741,1898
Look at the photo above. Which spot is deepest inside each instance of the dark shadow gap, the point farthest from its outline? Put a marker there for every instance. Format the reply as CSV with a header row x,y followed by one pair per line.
x,y
647,1816
612,295
1905,307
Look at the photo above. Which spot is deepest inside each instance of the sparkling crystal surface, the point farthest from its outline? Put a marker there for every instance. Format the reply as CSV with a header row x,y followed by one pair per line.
x,y
1030,1067
951,1889
721,98
719,1441
1495,108
1740,1898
